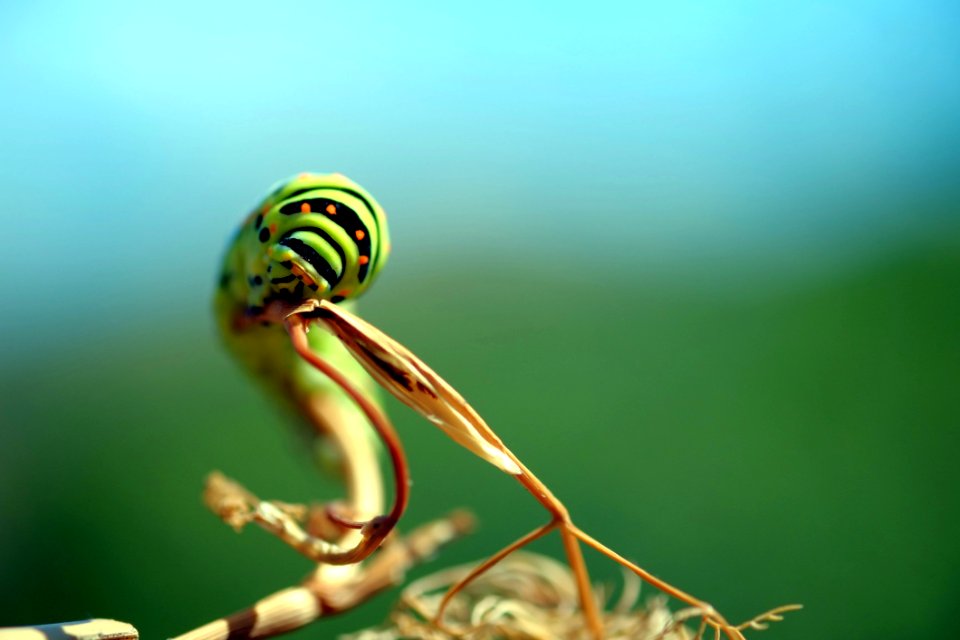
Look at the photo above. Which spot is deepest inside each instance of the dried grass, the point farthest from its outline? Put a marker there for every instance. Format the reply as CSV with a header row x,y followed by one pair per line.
x,y
526,597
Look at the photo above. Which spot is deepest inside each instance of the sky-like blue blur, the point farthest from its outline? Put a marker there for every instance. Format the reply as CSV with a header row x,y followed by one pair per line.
x,y
134,136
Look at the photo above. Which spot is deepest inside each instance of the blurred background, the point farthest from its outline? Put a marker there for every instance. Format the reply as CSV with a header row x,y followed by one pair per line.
x,y
697,263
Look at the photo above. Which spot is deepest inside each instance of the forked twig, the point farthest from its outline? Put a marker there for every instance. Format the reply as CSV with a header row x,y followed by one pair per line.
x,y
237,507
763,620
760,622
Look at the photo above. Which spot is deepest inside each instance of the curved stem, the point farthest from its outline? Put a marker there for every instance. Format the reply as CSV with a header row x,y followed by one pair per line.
x,y
377,528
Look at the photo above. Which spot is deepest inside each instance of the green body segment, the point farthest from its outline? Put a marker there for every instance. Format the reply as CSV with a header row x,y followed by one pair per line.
x,y
314,236
318,236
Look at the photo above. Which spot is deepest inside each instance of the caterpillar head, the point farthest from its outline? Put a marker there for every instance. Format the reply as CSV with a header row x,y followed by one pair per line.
x,y
314,236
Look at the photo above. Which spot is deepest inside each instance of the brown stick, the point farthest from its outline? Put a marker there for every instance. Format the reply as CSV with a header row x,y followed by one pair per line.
x,y
376,529
94,629
484,566
570,545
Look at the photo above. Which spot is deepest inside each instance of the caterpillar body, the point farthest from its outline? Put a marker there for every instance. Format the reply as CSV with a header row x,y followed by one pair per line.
x,y
319,236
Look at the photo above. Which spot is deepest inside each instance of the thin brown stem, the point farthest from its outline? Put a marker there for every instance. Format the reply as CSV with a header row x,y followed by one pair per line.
x,y
379,527
484,566
571,547
709,613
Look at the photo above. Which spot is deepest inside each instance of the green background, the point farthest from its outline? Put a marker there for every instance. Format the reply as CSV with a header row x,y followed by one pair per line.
x,y
795,443
698,265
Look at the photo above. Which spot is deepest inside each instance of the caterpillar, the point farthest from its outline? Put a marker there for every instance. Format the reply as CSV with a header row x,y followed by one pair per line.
x,y
302,256
321,233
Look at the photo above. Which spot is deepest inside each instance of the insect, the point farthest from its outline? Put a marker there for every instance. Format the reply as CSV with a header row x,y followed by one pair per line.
x,y
314,244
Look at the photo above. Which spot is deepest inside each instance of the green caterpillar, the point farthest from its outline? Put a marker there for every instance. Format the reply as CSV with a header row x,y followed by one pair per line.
x,y
316,239
316,232
316,236
315,243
